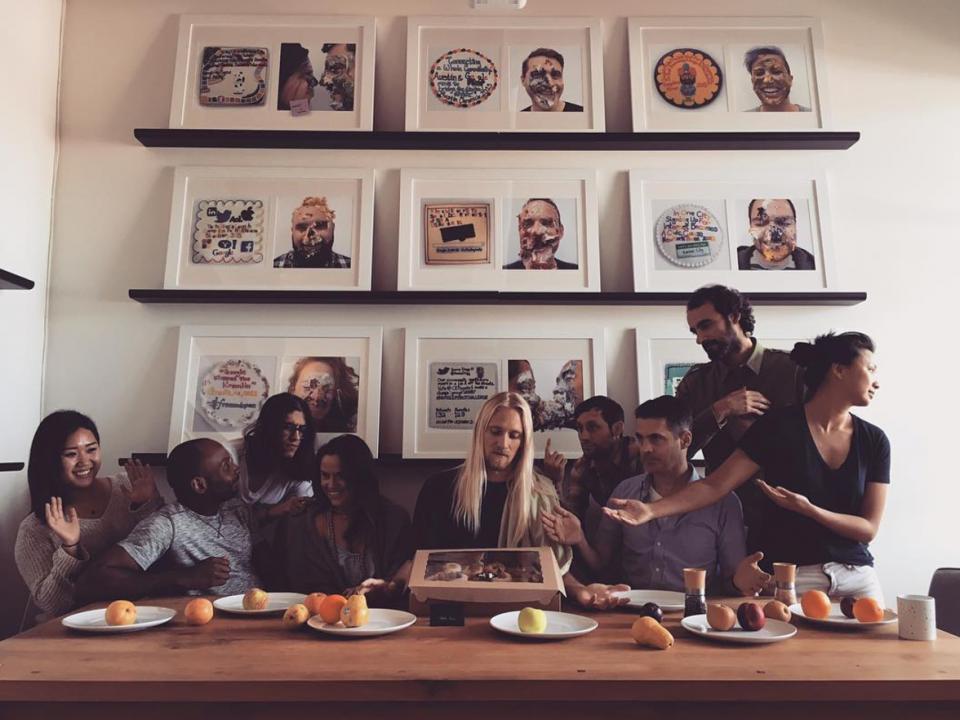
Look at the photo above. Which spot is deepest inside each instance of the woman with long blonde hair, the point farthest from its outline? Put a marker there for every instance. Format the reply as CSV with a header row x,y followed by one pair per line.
x,y
496,498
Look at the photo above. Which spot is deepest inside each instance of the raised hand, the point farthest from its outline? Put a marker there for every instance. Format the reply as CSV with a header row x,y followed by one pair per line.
x,y
598,596
562,526
209,573
741,402
62,521
749,579
628,512
143,487
373,586
787,499
554,464
290,506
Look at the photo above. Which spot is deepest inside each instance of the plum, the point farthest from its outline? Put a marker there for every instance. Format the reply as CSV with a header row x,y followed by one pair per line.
x,y
750,616
651,609
846,606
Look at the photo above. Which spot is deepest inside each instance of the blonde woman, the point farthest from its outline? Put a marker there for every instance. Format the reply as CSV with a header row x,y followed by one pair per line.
x,y
496,499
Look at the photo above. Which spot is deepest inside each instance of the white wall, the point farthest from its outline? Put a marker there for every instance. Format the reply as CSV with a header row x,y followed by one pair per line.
x,y
30,32
892,76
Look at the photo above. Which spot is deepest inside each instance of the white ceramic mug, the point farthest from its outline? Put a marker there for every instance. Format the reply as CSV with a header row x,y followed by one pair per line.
x,y
917,617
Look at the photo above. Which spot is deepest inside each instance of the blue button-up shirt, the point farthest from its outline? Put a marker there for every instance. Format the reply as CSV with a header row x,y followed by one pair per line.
x,y
653,555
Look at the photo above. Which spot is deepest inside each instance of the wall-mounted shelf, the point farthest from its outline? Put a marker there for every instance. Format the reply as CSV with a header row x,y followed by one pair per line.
x,y
618,142
11,466
387,459
12,281
424,297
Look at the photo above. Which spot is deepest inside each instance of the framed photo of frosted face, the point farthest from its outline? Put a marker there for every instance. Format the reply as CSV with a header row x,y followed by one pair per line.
x,y
448,375
494,73
689,73
225,374
290,72
762,232
517,230
270,228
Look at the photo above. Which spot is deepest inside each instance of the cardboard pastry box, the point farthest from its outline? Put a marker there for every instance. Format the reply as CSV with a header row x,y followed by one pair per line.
x,y
486,581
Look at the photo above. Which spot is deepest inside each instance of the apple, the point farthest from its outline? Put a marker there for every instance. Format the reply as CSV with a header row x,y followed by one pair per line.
x,y
776,610
720,617
121,612
750,616
532,620
314,601
295,616
255,599
198,611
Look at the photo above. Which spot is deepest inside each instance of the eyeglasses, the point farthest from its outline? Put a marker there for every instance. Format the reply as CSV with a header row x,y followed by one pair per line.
x,y
294,429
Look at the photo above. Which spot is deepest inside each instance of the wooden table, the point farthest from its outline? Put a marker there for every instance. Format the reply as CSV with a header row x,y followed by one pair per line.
x,y
253,667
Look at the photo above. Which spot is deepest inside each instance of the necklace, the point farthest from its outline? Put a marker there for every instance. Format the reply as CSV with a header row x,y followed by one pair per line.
x,y
219,527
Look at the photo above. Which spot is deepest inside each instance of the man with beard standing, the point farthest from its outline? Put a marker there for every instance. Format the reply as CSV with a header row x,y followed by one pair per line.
x,y
740,383
311,232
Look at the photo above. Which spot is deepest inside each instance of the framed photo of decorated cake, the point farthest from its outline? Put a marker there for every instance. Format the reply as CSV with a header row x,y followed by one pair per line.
x,y
284,72
695,73
495,73
516,230
760,232
270,228
225,374
448,375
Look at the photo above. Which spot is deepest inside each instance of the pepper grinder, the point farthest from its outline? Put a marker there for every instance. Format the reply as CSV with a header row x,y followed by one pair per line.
x,y
785,575
695,589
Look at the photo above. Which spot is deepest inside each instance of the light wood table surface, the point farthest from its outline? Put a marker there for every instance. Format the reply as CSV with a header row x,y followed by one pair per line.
x,y
240,667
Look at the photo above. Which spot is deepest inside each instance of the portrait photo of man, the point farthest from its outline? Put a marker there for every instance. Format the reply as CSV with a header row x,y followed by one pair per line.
x,y
541,75
312,228
333,90
540,229
773,228
555,411
772,80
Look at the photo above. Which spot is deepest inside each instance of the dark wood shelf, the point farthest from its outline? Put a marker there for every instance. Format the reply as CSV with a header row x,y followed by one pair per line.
x,y
11,466
437,297
610,141
12,281
387,459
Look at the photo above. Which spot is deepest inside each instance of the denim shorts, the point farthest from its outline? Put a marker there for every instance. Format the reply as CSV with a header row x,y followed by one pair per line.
x,y
839,580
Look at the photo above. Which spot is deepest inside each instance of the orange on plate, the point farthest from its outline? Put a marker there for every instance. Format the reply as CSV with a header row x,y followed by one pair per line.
x,y
330,608
314,601
198,611
815,604
866,609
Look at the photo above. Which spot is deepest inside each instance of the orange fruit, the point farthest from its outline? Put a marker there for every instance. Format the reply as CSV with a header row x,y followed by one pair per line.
x,y
198,611
330,608
313,603
866,609
815,604
121,612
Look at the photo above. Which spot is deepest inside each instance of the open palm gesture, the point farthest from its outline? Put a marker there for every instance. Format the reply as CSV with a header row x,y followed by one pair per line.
x,y
62,521
143,488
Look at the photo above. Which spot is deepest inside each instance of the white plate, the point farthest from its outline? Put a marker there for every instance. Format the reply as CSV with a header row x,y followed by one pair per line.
x,y
148,616
667,600
277,602
773,631
380,622
836,619
559,625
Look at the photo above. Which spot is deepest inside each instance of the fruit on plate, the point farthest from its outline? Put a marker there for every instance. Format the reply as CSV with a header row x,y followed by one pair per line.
x,y
330,608
720,617
121,612
532,620
866,610
751,617
776,610
846,606
815,604
295,616
647,631
651,609
198,611
255,599
355,612
313,602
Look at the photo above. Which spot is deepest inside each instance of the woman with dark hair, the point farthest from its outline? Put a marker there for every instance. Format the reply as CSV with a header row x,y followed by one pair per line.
x,y
76,514
828,472
350,539
331,389
276,457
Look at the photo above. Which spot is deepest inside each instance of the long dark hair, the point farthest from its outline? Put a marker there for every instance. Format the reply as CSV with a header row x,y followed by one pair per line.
x,y
262,439
357,469
818,357
44,471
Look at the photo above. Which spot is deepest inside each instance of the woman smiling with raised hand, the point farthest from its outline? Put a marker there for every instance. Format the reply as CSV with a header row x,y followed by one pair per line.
x,y
827,473
76,514
277,459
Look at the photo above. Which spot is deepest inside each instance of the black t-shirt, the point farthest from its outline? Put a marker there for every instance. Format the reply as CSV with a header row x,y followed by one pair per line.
x,y
434,525
780,442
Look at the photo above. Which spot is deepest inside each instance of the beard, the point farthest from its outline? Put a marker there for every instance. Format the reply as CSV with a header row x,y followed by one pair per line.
x,y
722,347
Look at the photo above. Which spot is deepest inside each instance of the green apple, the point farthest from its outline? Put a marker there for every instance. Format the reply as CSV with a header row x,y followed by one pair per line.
x,y
532,620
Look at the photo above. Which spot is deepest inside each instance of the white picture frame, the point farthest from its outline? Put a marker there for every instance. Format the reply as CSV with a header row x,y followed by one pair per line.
x,y
228,72
233,228
436,425
481,210
464,74
662,101
250,363
712,212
